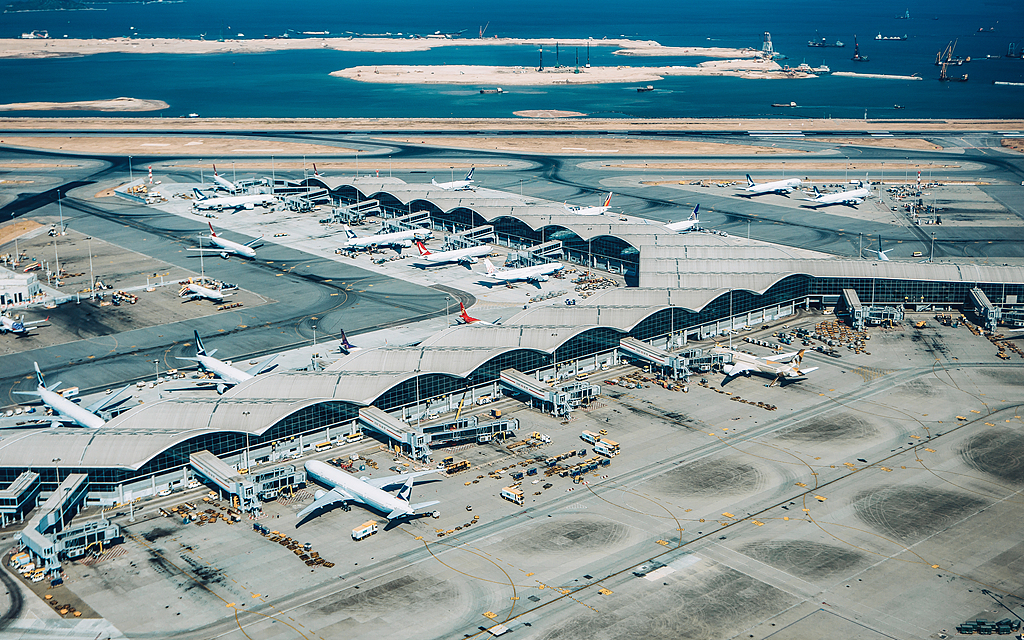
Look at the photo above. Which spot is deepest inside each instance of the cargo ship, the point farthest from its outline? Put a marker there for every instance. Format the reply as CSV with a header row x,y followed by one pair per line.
x,y
881,37
649,87
40,34
786,104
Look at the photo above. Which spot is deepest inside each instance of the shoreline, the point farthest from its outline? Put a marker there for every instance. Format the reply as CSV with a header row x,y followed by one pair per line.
x,y
229,125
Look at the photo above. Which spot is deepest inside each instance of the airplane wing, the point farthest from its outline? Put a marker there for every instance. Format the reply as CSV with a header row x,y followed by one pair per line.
x,y
261,367
783,357
102,402
738,368
423,505
329,498
391,481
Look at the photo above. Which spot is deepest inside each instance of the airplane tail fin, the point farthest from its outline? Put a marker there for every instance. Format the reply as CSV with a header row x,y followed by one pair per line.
x,y
348,232
215,170
693,215
423,250
39,376
213,233
198,194
799,357
200,349
750,182
608,200
406,491
816,192
464,315
469,176
434,182
344,340
315,172
489,265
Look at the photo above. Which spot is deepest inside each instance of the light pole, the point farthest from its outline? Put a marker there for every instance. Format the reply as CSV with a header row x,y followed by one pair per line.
x,y
131,177
447,319
56,474
931,254
314,335
357,163
389,166
156,364
92,275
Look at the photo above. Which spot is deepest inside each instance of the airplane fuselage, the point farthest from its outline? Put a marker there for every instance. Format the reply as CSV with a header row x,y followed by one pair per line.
x,y
856,196
537,273
198,290
395,238
68,409
371,496
223,370
229,246
469,254
778,186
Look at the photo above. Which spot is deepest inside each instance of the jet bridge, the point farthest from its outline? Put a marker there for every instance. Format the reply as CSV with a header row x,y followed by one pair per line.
x,y
226,478
470,237
46,537
683,363
417,221
853,309
559,400
387,425
982,306
19,497
468,428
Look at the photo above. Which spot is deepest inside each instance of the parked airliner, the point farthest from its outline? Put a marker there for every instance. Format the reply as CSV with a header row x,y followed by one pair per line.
x,y
533,275
781,187
456,185
345,488
64,410
228,376
467,256
590,211
226,247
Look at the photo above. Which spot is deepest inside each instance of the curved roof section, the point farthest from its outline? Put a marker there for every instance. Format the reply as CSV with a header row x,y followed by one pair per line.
x,y
538,338
130,440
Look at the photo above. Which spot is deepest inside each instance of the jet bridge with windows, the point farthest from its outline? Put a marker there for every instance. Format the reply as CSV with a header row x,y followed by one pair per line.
x,y
394,429
226,478
558,400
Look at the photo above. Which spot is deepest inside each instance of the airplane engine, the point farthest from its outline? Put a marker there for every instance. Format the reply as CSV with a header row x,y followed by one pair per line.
x,y
405,243
473,260
543,278
221,389
250,206
224,254
318,494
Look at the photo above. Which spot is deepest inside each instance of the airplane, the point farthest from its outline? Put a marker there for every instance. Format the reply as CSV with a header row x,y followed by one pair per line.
x,y
346,488
66,411
204,201
590,211
689,224
228,375
316,174
881,254
784,366
781,187
17,326
395,239
533,275
457,185
195,290
226,247
848,198
224,182
465,318
346,347
465,256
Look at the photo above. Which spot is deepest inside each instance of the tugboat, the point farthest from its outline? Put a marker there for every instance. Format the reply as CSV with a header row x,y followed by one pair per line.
x,y
649,87
856,52
788,104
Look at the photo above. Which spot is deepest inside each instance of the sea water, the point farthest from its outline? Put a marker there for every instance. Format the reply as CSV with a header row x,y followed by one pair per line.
x,y
298,84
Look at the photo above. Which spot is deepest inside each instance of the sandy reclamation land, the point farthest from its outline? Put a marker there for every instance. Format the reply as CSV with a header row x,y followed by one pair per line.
x,y
58,47
527,76
116,104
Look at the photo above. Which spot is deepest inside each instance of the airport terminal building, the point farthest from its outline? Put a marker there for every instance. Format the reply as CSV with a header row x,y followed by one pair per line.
x,y
680,288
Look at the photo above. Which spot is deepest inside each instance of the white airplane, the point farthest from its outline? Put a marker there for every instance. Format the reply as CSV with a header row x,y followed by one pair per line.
x,y
226,247
465,256
345,488
204,201
784,366
228,376
881,254
395,239
533,275
17,326
848,198
66,411
197,290
231,187
689,224
457,185
590,211
781,187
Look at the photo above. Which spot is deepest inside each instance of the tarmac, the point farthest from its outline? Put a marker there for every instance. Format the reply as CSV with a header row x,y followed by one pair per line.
x,y
879,499
861,504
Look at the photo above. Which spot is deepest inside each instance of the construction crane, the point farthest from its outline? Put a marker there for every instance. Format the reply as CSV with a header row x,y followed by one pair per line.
x,y
483,29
